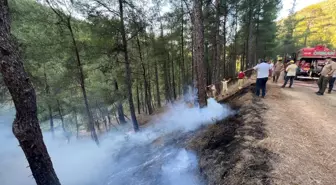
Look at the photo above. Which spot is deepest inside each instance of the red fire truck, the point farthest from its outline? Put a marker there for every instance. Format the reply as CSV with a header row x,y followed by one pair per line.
x,y
312,60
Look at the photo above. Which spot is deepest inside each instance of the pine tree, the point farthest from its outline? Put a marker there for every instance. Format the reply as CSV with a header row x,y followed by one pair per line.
x,y
26,125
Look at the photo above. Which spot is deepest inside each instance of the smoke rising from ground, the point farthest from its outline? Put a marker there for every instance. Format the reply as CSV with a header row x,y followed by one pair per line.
x,y
122,158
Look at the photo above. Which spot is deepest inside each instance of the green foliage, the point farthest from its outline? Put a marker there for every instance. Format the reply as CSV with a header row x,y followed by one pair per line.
x,y
163,40
311,26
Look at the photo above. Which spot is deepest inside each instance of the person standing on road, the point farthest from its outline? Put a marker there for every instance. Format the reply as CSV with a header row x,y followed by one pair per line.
x,y
271,68
262,76
278,67
326,75
291,73
332,82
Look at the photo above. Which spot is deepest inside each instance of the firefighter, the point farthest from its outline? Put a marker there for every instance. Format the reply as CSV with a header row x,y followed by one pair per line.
x,y
326,75
291,73
332,82
278,67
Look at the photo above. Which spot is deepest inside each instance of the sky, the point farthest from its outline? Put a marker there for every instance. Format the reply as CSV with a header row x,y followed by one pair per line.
x,y
300,4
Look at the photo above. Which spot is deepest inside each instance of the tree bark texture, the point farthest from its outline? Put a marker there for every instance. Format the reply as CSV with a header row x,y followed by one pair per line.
x,y
138,97
82,84
61,115
146,83
199,52
127,68
26,125
173,73
158,99
183,77
120,108
224,42
250,55
47,90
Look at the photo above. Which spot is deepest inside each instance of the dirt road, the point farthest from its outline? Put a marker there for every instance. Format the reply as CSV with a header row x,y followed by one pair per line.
x,y
302,131
288,138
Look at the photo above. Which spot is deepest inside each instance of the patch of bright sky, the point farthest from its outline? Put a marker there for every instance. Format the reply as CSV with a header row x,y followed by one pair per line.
x,y
286,6
300,4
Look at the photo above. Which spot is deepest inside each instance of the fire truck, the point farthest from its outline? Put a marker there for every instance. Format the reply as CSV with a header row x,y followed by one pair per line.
x,y
311,61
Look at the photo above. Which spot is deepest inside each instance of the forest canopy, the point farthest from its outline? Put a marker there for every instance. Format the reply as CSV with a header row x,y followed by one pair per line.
x,y
74,50
311,26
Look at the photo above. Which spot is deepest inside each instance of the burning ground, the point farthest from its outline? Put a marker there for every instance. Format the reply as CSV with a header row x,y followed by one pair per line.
x,y
156,155
287,138
277,140
229,152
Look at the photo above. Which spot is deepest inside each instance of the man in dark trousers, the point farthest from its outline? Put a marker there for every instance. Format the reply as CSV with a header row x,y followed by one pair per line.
x,y
262,76
291,73
332,82
326,75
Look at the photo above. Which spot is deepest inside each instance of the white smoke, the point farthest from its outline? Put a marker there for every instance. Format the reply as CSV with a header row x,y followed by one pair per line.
x,y
119,159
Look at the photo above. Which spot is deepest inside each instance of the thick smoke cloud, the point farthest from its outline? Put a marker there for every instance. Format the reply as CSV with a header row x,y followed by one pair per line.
x,y
123,157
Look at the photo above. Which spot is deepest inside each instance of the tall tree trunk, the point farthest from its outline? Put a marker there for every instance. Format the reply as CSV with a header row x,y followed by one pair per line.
x,y
243,58
26,126
150,97
183,77
128,68
157,85
148,75
52,130
61,115
173,72
199,52
216,44
250,56
236,35
193,62
82,84
214,63
256,56
108,121
166,83
146,84
138,97
179,83
169,78
173,79
193,74
207,65
224,42
47,90
165,68
120,108
77,125
142,98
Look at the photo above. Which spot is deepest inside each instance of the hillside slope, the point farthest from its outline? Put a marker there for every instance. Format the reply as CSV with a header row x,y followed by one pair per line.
x,y
315,24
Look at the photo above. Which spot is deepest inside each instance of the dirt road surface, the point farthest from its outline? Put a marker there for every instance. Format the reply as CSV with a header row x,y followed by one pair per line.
x,y
288,138
301,129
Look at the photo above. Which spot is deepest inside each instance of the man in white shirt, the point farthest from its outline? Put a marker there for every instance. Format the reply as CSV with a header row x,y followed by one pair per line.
x,y
263,70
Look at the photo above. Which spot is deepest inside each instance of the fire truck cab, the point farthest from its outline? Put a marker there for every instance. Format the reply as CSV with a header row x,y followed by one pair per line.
x,y
311,61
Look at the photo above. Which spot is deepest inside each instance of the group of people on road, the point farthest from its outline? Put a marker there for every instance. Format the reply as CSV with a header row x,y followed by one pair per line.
x,y
268,69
